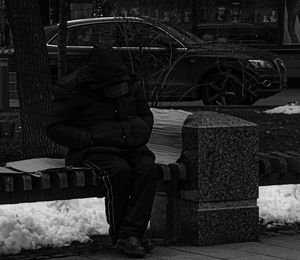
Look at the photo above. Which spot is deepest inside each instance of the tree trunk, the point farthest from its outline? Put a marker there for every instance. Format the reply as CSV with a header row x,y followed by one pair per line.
x,y
64,10
34,81
54,11
2,24
44,6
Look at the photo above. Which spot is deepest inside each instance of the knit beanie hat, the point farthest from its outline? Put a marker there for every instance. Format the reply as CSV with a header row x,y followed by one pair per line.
x,y
106,65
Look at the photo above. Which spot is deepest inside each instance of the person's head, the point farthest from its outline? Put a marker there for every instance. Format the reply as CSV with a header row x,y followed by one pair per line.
x,y
103,52
104,62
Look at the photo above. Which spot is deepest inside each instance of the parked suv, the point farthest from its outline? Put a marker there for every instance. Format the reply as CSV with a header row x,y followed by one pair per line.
x,y
175,65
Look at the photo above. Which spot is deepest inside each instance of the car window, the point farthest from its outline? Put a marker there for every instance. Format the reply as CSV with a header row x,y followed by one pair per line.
x,y
227,34
256,35
50,31
70,35
144,35
235,34
91,34
207,34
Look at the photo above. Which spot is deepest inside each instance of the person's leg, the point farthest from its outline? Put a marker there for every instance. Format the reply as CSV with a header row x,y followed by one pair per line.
x,y
144,174
116,175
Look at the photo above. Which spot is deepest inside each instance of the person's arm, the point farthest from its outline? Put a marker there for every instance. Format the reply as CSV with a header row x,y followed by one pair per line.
x,y
142,107
59,124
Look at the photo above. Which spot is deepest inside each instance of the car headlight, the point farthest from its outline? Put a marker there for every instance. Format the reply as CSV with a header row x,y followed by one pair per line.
x,y
261,64
281,64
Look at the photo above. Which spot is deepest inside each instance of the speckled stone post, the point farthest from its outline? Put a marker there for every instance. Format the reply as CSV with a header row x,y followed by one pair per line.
x,y
218,202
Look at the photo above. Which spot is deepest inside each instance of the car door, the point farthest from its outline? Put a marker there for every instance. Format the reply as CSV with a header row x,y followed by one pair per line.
x,y
155,56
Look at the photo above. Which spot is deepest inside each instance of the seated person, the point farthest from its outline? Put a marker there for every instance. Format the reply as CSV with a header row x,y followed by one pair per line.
x,y
100,114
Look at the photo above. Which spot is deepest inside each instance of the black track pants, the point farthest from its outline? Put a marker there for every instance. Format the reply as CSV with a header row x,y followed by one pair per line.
x,y
130,180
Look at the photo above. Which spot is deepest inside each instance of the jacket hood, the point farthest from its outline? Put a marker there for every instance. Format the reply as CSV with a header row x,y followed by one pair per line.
x,y
104,66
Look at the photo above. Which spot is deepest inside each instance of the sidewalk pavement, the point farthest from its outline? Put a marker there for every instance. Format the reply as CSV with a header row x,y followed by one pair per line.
x,y
270,246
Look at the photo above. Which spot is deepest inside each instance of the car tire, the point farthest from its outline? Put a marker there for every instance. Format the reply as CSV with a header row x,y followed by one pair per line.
x,y
222,88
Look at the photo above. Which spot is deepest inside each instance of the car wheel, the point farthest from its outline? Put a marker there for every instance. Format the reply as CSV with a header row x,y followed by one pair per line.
x,y
222,88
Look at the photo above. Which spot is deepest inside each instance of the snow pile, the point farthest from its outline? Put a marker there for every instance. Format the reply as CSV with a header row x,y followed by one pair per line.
x,y
57,223
279,204
290,108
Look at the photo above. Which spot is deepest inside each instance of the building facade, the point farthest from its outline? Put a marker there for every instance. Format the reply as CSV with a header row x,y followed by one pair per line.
x,y
276,15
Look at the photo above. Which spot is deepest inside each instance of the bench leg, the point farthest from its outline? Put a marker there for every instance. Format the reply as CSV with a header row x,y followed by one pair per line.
x,y
165,220
173,225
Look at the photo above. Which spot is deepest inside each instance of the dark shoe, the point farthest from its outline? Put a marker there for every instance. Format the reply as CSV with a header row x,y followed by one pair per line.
x,y
131,246
148,245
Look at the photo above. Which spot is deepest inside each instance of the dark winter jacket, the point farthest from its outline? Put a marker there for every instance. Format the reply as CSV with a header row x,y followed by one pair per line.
x,y
91,115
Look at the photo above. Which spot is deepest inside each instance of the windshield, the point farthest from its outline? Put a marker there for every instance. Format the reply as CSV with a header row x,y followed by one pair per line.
x,y
183,35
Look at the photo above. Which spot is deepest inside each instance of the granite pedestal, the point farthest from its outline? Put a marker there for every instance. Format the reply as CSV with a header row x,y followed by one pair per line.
x,y
217,203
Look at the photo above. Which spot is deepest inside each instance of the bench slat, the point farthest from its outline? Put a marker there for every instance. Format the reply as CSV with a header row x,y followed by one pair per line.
x,y
58,179
76,178
7,183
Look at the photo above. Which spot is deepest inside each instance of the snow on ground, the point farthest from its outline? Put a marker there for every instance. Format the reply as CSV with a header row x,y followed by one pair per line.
x,y
279,204
58,223
290,108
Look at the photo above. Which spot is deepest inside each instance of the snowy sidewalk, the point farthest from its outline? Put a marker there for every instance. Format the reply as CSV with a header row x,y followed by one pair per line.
x,y
281,246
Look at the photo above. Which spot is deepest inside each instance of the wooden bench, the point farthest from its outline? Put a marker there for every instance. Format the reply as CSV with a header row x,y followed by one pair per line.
x,y
72,183
278,168
208,197
68,183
